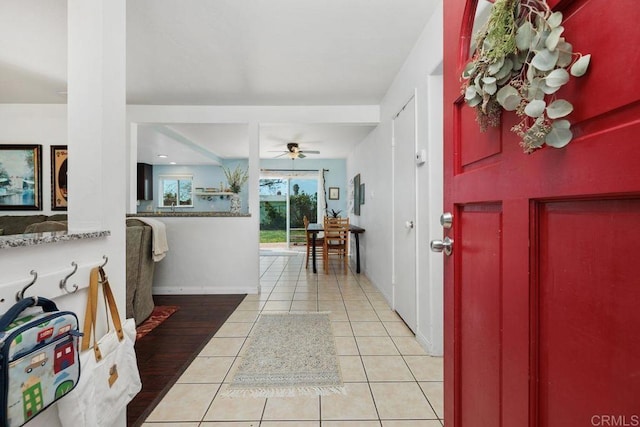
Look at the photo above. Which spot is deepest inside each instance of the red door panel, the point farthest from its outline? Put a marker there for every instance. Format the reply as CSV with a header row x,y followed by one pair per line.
x,y
485,144
588,330
480,311
541,291
610,33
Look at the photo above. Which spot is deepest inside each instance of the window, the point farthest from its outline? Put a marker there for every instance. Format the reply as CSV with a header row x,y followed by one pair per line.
x,y
176,190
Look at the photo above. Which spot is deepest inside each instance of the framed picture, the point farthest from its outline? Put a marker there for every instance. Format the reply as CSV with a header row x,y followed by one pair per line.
x,y
59,177
21,177
334,193
356,194
362,193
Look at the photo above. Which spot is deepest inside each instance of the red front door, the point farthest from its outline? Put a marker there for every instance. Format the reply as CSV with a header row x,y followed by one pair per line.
x,y
542,290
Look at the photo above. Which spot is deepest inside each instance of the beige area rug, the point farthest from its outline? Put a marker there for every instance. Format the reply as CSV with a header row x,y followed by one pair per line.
x,y
289,354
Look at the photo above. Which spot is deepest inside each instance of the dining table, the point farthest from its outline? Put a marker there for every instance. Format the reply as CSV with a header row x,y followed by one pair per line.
x,y
314,228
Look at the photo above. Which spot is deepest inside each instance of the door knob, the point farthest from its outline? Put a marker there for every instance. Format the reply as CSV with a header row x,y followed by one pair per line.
x,y
445,245
446,219
408,224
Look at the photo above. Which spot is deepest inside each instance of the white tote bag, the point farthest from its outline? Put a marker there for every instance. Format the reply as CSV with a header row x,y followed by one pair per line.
x,y
109,378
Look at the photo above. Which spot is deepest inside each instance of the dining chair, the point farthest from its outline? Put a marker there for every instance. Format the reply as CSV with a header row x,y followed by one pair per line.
x,y
336,241
309,239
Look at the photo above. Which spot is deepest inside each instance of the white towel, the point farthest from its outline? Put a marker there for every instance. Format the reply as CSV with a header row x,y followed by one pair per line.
x,y
159,244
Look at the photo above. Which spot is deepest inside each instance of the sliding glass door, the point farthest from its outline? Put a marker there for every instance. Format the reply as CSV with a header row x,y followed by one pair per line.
x,y
274,212
303,201
284,201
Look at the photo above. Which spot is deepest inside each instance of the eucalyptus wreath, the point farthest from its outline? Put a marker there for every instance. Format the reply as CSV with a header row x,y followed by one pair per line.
x,y
519,63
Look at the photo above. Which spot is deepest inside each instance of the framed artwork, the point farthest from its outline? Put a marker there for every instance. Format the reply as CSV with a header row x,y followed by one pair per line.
x,y
362,193
20,177
356,194
59,177
334,193
350,197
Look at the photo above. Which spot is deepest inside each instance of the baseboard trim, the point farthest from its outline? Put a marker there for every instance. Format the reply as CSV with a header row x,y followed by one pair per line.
x,y
427,345
177,290
424,342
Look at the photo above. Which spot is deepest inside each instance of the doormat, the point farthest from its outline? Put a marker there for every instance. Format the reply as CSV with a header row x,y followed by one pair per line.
x,y
289,354
159,314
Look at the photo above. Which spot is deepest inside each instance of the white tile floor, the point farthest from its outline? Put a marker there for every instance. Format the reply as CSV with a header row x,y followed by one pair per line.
x,y
390,380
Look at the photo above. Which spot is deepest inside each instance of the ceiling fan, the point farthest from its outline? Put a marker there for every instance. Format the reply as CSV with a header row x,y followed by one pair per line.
x,y
294,151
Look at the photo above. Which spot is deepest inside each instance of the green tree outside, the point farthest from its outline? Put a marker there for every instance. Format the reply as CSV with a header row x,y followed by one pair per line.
x,y
275,220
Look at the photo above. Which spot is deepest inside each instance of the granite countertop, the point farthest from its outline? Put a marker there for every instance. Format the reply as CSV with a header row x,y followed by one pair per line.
x,y
32,239
21,240
166,214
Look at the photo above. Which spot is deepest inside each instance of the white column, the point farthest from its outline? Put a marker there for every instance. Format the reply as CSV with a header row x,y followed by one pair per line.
x,y
253,260
96,111
96,130
254,169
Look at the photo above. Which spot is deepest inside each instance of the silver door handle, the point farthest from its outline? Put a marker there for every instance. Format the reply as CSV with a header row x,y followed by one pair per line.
x,y
408,224
445,245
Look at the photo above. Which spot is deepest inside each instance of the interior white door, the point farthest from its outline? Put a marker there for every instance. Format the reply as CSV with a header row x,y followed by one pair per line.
x,y
404,211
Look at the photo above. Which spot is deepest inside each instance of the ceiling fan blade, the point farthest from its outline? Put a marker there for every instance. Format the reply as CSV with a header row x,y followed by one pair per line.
x,y
310,151
277,138
300,155
280,155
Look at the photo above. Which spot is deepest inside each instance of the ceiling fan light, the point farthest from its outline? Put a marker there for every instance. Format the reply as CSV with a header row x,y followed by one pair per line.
x,y
293,147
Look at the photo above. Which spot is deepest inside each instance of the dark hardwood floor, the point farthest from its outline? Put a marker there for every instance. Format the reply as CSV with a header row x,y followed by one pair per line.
x,y
166,351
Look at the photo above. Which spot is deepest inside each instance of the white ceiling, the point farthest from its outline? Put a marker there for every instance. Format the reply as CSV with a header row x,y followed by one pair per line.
x,y
228,52
200,144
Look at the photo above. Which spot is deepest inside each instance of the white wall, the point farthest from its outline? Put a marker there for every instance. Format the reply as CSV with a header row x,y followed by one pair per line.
x,y
218,255
372,159
44,125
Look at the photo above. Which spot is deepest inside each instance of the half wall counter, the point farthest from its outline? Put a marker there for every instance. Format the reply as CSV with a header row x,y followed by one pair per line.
x,y
209,253
168,214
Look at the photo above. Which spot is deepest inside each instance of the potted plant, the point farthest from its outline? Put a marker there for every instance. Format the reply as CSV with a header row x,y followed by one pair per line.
x,y
236,180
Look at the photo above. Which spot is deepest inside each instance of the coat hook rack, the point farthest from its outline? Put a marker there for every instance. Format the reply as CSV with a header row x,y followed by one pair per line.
x,y
106,260
20,294
63,282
